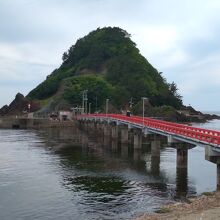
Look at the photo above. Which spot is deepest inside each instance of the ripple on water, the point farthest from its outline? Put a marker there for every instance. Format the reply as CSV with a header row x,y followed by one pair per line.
x,y
45,178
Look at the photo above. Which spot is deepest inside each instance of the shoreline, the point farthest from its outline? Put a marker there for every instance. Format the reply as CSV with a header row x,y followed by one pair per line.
x,y
32,123
203,207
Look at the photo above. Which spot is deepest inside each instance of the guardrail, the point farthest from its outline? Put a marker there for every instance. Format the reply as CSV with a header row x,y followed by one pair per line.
x,y
200,134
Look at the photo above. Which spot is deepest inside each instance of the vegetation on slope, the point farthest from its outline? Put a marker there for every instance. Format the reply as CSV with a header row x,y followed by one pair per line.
x,y
107,64
98,89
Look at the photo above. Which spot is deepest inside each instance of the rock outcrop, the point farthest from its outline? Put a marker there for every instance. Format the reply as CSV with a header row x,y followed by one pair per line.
x,y
19,105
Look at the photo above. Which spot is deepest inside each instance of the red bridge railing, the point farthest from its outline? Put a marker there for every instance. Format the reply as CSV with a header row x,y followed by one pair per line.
x,y
199,134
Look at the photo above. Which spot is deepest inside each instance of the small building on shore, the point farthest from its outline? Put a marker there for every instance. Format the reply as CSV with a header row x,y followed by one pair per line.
x,y
65,115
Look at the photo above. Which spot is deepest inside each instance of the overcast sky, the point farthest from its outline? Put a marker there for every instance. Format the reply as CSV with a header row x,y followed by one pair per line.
x,y
179,38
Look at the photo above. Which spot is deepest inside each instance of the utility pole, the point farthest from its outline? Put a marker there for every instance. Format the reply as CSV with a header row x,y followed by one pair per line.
x,y
84,101
131,102
89,107
83,107
143,98
96,104
106,107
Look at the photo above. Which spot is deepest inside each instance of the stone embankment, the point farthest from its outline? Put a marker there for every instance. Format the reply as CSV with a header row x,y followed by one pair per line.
x,y
32,123
204,207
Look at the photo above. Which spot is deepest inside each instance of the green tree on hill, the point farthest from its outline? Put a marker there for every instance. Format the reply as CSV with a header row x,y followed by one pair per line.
x,y
107,63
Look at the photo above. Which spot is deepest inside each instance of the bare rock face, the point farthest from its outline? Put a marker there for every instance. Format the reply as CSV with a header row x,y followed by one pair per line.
x,y
4,110
17,106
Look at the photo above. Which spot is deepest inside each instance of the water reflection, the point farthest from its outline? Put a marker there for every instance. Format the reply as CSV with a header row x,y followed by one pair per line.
x,y
73,173
155,165
106,161
109,180
181,182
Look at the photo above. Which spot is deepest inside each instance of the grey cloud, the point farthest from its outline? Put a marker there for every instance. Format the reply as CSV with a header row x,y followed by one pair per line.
x,y
50,27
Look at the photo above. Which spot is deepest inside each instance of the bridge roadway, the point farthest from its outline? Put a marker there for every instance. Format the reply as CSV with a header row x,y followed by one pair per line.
x,y
174,131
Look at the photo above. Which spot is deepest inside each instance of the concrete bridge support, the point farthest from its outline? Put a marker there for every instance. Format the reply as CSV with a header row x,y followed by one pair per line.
x,y
155,148
137,140
213,156
182,158
181,172
181,167
155,157
99,129
88,125
182,153
91,127
137,155
95,127
84,140
114,132
124,150
124,134
102,127
107,130
106,135
218,176
114,145
107,141
181,182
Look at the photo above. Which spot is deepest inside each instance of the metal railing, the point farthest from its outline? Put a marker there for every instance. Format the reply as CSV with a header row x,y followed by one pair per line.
x,y
197,134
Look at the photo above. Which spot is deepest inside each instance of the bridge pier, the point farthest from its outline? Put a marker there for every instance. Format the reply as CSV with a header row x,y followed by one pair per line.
x,y
106,135
181,167
84,140
92,127
155,156
124,150
137,155
218,176
95,127
212,155
182,170
155,148
181,181
182,158
182,153
107,141
99,129
114,132
107,130
124,134
114,145
137,140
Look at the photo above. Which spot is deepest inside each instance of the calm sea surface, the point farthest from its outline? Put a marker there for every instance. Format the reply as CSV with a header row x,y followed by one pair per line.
x,y
64,174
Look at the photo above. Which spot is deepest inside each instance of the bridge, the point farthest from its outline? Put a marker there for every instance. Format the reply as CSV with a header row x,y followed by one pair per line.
x,y
180,136
175,132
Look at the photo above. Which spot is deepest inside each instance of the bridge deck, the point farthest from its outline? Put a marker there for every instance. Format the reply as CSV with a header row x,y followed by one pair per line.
x,y
197,135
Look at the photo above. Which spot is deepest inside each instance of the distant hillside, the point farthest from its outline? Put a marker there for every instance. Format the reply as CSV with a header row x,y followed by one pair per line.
x,y
107,64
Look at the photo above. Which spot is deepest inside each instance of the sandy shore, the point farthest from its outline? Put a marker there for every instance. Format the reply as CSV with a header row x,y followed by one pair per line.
x,y
205,207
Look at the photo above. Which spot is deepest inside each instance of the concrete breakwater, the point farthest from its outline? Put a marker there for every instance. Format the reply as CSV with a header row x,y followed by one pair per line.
x,y
31,123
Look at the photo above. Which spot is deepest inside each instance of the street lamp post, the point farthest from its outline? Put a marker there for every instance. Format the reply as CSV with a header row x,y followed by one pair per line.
x,y
96,104
131,102
143,98
89,108
84,101
106,107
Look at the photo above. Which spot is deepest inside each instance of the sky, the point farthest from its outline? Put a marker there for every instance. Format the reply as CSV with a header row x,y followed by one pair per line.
x,y
179,38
